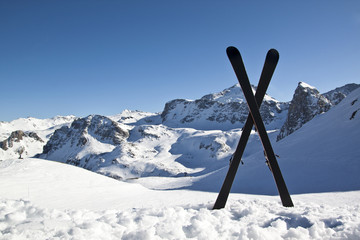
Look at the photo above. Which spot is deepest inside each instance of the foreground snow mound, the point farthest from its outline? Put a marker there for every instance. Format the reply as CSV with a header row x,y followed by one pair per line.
x,y
56,185
67,202
244,219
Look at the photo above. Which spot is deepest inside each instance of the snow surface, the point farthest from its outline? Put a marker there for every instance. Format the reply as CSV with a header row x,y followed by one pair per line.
x,y
234,94
305,85
41,199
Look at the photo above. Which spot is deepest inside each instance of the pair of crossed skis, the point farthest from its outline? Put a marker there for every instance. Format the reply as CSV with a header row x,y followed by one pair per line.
x,y
254,118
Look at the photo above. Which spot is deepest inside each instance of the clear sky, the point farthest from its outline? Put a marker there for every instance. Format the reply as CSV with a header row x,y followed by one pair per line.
x,y
86,57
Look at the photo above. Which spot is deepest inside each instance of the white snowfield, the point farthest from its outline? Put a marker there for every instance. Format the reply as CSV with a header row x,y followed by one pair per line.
x,y
41,199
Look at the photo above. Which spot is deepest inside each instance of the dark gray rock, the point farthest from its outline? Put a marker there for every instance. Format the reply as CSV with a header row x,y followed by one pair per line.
x,y
102,128
307,102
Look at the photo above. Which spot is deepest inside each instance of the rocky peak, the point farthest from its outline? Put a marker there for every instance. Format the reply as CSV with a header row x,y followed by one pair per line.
x,y
335,96
101,128
17,136
224,110
307,102
232,94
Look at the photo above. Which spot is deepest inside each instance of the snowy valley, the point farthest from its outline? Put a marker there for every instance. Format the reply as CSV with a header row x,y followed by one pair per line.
x,y
185,150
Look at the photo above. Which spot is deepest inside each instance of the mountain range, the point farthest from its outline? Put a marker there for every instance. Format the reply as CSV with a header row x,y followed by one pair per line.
x,y
191,141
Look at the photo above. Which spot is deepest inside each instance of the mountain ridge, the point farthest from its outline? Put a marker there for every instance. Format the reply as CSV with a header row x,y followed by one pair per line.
x,y
136,145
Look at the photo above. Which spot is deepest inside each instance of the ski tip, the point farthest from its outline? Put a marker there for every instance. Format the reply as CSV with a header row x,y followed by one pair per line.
x,y
273,53
231,51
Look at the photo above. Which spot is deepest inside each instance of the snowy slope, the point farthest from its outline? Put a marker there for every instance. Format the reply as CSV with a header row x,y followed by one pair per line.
x,y
130,117
325,151
47,200
56,185
42,199
322,156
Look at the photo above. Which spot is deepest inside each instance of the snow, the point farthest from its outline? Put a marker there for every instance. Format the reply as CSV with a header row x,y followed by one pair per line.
x,y
306,85
31,146
244,219
95,147
224,110
325,148
322,156
41,199
234,94
136,117
42,126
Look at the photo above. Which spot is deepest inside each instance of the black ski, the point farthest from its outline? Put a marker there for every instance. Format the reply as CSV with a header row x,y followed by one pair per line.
x,y
271,61
239,68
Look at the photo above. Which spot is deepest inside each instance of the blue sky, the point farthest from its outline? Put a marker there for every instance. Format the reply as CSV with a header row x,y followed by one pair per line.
x,y
86,57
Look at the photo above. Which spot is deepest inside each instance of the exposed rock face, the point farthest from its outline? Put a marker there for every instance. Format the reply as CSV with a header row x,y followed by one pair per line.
x,y
81,130
18,136
335,96
307,102
224,110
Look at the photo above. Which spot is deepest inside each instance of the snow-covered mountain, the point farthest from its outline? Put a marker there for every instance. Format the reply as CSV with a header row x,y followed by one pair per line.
x,y
126,152
307,102
21,143
160,150
224,110
322,156
34,124
85,137
325,151
42,199
28,133
335,96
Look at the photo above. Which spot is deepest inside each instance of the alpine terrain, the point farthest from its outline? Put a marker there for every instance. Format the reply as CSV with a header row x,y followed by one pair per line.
x,y
185,150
